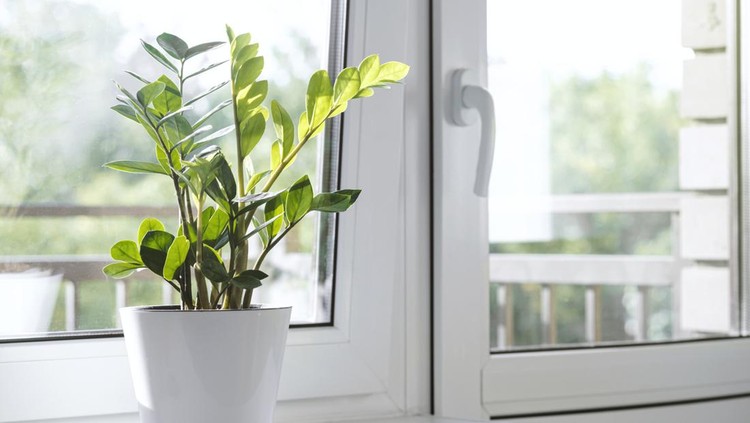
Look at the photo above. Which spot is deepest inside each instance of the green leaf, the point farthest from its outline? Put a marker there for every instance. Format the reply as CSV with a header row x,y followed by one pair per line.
x,y
259,229
272,209
205,69
170,100
136,167
201,48
138,77
173,45
154,248
126,251
147,94
172,115
334,202
207,92
249,279
218,134
284,127
369,70
392,72
255,179
126,111
277,154
156,54
212,112
149,129
148,225
238,42
176,256
245,53
339,109
346,86
230,33
302,128
248,73
166,164
251,131
319,98
298,200
367,92
216,225
251,97
213,266
120,270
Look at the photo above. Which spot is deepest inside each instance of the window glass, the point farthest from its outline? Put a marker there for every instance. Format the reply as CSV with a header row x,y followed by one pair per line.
x,y
60,211
609,216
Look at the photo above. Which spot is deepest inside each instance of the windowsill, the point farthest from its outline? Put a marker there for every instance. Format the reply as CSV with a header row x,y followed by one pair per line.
x,y
133,418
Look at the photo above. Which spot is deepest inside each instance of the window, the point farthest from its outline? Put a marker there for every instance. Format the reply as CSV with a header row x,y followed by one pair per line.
x,y
62,210
370,360
659,240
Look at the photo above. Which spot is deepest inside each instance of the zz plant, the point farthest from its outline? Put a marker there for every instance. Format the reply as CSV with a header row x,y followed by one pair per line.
x,y
221,208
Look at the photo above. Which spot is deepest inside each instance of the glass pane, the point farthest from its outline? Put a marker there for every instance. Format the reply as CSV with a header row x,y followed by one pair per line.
x,y
60,211
608,223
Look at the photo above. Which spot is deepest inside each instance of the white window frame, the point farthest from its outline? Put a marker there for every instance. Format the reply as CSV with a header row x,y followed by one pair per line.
x,y
471,383
373,361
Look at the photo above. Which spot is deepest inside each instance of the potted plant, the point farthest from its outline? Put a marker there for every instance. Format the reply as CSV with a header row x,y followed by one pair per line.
x,y
217,356
28,300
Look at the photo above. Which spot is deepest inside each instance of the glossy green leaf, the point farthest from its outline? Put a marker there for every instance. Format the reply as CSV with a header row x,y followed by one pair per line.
x,y
238,43
173,45
255,180
334,202
149,129
176,256
392,72
136,167
147,94
216,225
126,251
284,126
120,270
138,77
219,107
251,132
248,73
217,134
148,225
201,48
369,70
158,56
346,86
272,209
126,111
230,33
298,200
172,115
367,92
170,100
251,97
205,69
212,266
277,153
246,53
319,98
154,248
260,228
166,164
249,279
338,109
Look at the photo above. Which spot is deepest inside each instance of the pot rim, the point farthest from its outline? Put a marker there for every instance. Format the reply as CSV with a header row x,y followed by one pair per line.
x,y
176,308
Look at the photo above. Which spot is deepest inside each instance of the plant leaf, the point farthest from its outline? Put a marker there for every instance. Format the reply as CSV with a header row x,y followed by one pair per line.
x,y
201,48
274,208
126,251
147,94
238,42
255,179
207,92
212,112
243,55
158,56
173,45
126,111
136,167
319,98
346,86
298,200
392,72
366,92
213,266
259,229
148,225
205,69
216,225
277,154
369,69
120,270
334,202
284,127
176,256
154,248
251,131
251,97
170,100
218,134
248,73
249,279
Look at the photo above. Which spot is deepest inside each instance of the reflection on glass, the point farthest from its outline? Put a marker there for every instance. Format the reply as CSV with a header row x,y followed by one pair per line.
x,y
585,201
57,62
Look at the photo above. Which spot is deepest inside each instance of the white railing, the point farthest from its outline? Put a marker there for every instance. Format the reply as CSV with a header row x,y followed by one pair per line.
x,y
590,271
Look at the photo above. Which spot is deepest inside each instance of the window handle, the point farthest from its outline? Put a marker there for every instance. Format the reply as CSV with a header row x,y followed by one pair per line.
x,y
468,94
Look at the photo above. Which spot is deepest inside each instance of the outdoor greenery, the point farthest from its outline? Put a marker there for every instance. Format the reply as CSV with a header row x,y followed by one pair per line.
x,y
221,207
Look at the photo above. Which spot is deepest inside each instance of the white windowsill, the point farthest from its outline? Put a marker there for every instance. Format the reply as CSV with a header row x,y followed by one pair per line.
x,y
133,418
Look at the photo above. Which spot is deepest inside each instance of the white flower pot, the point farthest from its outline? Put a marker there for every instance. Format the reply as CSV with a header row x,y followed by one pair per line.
x,y
205,366
27,301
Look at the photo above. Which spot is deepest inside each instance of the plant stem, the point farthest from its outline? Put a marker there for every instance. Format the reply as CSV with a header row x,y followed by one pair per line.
x,y
203,302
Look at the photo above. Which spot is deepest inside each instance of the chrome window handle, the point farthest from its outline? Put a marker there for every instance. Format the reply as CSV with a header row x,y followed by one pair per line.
x,y
467,94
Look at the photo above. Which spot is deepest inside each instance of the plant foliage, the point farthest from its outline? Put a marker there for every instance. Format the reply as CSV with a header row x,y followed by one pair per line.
x,y
221,208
